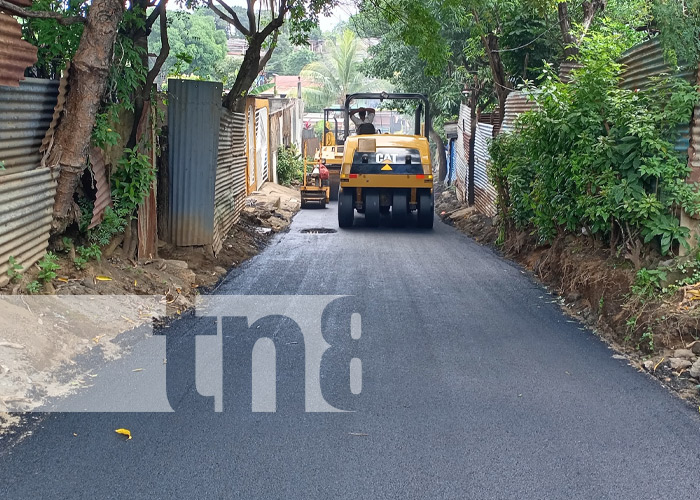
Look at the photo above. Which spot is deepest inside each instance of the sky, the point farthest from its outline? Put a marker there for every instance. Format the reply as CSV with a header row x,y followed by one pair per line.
x,y
341,13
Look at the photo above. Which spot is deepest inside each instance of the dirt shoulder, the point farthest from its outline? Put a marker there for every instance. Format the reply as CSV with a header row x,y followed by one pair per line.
x,y
657,335
82,311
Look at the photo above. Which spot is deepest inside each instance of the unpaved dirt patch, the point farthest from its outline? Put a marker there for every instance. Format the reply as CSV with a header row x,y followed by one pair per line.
x,y
593,285
82,311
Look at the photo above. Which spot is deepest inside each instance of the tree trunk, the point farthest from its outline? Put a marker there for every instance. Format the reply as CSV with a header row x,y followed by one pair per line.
x,y
142,95
442,161
87,82
590,9
570,45
140,38
498,72
248,72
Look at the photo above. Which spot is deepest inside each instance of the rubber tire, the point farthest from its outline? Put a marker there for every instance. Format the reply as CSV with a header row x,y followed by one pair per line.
x,y
399,208
346,209
335,188
426,210
372,212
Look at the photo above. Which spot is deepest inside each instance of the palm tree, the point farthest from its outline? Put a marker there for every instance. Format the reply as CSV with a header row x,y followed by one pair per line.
x,y
337,73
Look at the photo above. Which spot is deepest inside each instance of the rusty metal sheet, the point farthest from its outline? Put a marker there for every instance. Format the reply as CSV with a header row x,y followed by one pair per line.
x,y
194,114
643,62
16,55
25,115
565,70
147,221
230,189
517,103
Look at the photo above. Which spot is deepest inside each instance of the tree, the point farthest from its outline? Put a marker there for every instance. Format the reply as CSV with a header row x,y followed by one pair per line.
x,y
337,74
262,33
195,38
289,59
87,82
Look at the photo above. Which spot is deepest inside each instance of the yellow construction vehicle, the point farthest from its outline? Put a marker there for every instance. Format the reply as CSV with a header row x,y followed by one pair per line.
x,y
331,151
386,172
315,188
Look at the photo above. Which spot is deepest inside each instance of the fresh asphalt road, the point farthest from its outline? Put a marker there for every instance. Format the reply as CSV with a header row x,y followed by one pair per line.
x,y
475,385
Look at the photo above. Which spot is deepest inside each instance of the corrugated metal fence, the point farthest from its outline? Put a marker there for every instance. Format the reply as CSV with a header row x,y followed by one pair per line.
x,y
229,192
646,61
464,131
26,190
641,64
207,164
194,116
484,192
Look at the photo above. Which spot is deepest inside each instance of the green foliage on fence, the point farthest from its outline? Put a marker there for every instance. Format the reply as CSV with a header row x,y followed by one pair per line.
x,y
597,158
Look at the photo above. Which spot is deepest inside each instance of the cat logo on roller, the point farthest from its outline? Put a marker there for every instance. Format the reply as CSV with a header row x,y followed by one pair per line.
x,y
387,175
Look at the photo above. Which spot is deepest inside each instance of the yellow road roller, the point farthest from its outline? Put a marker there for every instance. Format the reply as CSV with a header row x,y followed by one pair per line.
x,y
386,173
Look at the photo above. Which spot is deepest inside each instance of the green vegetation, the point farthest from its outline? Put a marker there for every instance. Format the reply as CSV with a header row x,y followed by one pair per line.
x,y
33,287
48,266
56,42
597,157
85,255
337,74
289,165
197,44
14,271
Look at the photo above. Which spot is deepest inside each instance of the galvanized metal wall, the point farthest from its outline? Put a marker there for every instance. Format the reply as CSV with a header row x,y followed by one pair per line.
x,y
194,118
26,190
484,192
230,188
261,146
517,103
250,146
646,61
464,128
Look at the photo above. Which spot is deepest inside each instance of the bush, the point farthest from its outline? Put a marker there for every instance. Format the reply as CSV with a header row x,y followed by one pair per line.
x,y
289,165
598,158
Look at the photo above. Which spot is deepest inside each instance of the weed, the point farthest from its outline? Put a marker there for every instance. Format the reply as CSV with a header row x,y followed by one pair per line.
x,y
13,271
33,287
648,337
48,266
647,282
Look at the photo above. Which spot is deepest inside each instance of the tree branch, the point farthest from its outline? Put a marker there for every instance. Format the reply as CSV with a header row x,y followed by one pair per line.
x,y
266,58
155,14
39,14
164,49
276,22
251,15
590,9
231,19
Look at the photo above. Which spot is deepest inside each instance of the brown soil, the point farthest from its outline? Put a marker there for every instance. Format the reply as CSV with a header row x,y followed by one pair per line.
x,y
38,339
594,286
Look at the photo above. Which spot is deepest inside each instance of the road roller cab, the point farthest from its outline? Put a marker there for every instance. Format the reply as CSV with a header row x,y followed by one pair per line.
x,y
387,173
